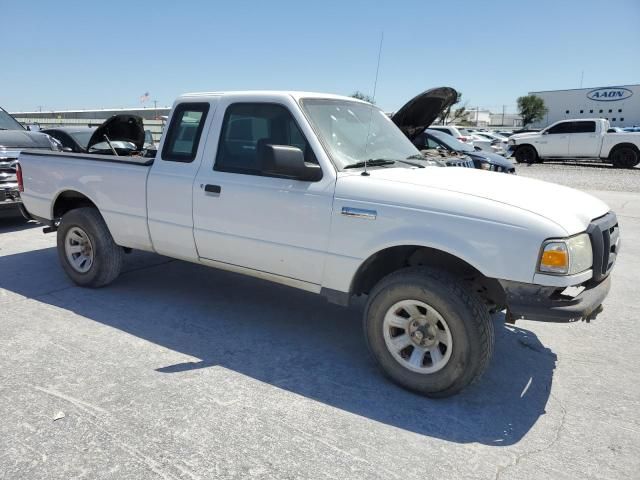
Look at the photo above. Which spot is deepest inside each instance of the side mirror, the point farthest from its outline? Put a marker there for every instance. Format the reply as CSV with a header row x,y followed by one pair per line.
x,y
546,132
287,161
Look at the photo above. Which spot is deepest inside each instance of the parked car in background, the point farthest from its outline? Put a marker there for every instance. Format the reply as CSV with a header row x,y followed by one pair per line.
x,y
13,139
434,139
580,138
499,143
417,115
455,132
526,130
631,129
504,133
422,110
478,142
120,134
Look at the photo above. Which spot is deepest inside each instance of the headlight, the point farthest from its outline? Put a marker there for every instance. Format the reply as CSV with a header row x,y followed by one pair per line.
x,y
566,256
512,141
485,166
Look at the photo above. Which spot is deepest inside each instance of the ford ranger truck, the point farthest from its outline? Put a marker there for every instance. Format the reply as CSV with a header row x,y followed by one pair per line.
x,y
319,192
587,138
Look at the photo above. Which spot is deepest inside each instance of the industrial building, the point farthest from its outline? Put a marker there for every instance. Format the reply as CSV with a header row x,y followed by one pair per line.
x,y
618,104
154,118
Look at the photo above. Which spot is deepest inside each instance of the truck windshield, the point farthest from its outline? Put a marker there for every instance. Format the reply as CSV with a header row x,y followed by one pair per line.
x,y
353,132
7,122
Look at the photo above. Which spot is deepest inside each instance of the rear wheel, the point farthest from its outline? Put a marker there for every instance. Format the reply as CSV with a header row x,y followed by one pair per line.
x,y
624,157
526,154
86,248
428,332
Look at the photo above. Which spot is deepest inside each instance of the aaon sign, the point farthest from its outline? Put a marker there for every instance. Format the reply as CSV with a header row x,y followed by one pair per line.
x,y
609,94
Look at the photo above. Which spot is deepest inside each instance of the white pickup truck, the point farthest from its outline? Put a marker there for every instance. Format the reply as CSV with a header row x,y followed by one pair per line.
x,y
274,185
587,138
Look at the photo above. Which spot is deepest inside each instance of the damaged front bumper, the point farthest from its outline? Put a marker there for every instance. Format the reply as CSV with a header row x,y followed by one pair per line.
x,y
554,304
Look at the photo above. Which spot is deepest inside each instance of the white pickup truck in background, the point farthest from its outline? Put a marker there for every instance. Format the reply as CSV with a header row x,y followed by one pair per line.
x,y
324,193
587,138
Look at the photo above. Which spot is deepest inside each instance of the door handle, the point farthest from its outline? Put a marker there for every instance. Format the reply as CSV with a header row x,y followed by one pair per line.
x,y
215,189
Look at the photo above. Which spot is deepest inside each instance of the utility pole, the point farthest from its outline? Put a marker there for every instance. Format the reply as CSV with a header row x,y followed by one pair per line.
x,y
477,116
503,106
581,78
155,109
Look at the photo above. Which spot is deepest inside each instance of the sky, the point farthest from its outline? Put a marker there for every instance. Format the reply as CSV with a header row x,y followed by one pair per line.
x,y
90,54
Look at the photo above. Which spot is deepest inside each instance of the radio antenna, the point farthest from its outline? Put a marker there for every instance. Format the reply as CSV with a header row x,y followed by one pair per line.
x,y
375,87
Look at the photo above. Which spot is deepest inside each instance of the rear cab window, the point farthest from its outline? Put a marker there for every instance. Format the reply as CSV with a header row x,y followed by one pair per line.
x,y
184,132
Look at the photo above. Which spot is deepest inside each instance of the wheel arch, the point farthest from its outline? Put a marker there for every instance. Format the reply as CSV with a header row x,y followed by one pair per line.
x,y
622,145
519,146
390,259
67,200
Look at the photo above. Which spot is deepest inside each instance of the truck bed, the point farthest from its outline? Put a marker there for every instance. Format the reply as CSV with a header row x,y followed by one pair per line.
x,y
116,185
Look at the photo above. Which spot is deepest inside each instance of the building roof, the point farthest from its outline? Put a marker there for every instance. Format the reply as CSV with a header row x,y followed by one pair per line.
x,y
587,88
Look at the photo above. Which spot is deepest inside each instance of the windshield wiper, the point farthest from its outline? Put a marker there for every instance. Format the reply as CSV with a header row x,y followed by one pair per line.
x,y
413,164
374,162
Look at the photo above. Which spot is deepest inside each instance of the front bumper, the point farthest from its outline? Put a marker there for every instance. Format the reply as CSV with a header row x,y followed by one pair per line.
x,y
553,304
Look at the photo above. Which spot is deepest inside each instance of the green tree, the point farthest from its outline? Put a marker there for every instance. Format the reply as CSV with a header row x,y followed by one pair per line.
x,y
363,96
531,109
453,115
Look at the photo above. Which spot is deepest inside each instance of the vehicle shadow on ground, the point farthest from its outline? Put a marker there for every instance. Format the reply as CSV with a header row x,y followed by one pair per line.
x,y
13,223
292,340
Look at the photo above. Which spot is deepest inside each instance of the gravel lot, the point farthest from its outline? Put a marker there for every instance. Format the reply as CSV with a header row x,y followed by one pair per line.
x,y
177,371
584,176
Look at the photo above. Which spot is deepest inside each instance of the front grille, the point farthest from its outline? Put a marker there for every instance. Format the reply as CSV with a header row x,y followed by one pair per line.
x,y
605,235
460,163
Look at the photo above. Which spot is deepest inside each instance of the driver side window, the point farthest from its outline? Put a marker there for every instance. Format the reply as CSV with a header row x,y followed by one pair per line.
x,y
247,127
559,128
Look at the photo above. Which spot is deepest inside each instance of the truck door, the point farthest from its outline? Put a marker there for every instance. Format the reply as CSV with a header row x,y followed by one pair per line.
x,y
245,218
170,181
584,141
554,142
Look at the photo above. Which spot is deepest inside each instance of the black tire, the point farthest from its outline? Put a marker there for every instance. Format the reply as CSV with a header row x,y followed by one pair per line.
x,y
107,256
526,154
624,157
467,319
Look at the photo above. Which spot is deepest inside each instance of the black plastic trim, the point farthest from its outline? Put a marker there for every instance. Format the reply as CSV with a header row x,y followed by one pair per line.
x,y
336,296
547,304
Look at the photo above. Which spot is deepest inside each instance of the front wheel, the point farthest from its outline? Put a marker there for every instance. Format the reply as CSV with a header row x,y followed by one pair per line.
x,y
526,154
86,248
428,332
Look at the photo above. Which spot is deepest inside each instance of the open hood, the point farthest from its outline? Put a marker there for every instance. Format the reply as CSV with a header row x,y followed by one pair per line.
x,y
418,113
124,128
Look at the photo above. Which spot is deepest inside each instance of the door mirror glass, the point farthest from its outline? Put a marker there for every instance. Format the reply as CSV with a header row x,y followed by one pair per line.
x,y
287,161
